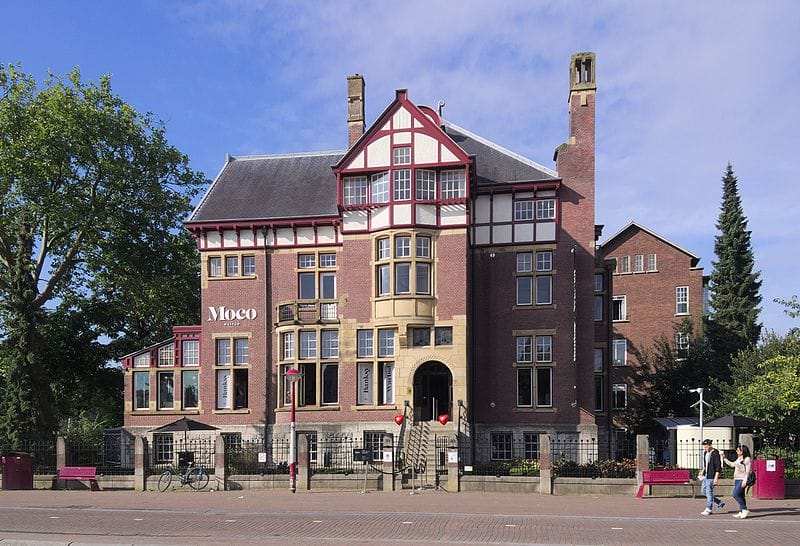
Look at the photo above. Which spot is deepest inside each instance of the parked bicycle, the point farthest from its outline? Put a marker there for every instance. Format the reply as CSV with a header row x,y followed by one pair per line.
x,y
195,476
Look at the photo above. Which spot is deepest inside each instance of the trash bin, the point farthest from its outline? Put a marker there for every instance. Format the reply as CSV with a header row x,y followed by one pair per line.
x,y
17,471
770,480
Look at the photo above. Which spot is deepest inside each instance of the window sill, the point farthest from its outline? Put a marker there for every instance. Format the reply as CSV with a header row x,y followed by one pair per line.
x,y
387,407
233,278
617,321
163,412
534,410
242,411
287,409
518,307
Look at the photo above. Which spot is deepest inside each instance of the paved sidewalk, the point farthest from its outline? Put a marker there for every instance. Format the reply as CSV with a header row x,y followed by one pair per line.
x,y
429,517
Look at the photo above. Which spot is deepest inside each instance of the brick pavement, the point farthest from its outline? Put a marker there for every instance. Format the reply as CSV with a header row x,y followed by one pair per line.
x,y
430,517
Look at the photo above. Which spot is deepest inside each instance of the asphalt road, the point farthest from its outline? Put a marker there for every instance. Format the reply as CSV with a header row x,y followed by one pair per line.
x,y
428,517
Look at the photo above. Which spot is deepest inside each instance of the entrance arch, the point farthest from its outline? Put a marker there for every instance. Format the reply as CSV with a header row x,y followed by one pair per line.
x,y
433,391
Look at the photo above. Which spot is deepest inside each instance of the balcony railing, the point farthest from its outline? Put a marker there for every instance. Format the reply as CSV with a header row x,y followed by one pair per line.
x,y
304,312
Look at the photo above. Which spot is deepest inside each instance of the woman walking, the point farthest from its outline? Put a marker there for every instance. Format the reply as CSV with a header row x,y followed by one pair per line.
x,y
741,469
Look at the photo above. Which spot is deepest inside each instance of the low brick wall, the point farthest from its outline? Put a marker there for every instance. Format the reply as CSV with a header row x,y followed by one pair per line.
x,y
500,484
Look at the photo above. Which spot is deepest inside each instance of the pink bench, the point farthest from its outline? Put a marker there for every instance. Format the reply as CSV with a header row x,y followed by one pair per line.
x,y
78,473
665,477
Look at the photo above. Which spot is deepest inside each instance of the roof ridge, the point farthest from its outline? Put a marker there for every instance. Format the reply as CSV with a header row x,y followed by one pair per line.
x,y
501,149
287,155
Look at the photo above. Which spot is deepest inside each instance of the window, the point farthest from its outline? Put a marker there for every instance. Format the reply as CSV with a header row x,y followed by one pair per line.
x,y
191,389
215,267
619,307
330,383
598,393
638,263
524,262
545,209
544,348
306,261
313,446
223,352
401,156
383,274
423,279
423,247
531,445
327,286
386,374
524,349
166,355
402,184
330,344
365,347
384,251
681,344
619,396
682,300
287,345
598,282
544,261
248,265
544,387
241,351
598,308
308,344
142,360
402,282
598,359
420,337
373,442
162,447
626,264
524,290
620,357
286,389
355,190
453,184
327,260
523,210
524,387
141,390
425,185
544,290
443,335
380,187
402,247
651,262
385,343
501,446
190,353
232,266
306,286
166,390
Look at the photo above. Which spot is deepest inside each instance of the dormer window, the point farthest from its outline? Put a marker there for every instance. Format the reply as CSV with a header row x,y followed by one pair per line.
x,y
453,184
355,190
401,156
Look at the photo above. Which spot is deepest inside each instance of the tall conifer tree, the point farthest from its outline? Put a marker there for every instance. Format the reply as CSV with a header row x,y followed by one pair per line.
x,y
732,324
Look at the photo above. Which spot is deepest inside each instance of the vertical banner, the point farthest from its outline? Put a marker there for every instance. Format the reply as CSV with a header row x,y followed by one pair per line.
x,y
388,383
223,388
365,383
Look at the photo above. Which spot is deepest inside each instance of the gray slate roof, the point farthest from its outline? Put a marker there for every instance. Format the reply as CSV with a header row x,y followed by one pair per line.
x,y
274,187
271,187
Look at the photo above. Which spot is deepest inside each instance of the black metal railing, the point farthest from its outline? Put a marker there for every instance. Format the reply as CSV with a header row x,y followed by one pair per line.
x,y
180,453
257,456
110,458
43,453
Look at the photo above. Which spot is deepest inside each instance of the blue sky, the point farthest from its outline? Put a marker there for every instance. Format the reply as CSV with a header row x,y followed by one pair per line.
x,y
684,87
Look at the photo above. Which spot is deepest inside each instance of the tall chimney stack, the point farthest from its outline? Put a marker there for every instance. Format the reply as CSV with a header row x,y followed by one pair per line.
x,y
355,108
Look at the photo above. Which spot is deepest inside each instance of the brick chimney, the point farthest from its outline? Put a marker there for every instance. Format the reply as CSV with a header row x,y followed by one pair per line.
x,y
355,108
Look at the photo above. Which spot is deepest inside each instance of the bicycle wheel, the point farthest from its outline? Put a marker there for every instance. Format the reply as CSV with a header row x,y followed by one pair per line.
x,y
164,481
197,478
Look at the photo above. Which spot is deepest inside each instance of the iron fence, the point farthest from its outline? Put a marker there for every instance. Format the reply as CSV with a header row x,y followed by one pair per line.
x,y
43,453
499,454
110,458
688,454
337,454
165,451
257,456
789,454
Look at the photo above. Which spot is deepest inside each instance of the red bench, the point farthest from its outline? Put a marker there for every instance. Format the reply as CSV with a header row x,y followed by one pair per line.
x,y
665,477
78,473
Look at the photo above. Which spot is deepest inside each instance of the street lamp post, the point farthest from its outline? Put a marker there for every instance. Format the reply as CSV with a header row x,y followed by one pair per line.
x,y
292,375
700,403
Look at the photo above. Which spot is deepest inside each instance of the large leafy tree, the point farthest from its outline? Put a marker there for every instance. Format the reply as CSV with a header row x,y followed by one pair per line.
x,y
88,186
732,324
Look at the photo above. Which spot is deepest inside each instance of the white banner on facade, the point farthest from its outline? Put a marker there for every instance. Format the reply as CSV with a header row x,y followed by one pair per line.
x,y
365,383
223,388
388,383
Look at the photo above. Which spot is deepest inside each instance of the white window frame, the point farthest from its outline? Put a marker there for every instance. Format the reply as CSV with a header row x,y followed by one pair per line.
x,y
524,262
386,343
330,343
544,349
425,182
366,343
166,356
380,187
521,283
215,266
652,264
401,155
619,388
453,185
524,349
638,263
190,352
681,300
355,190
622,307
544,260
545,209
248,265
402,246
327,260
287,346
544,290
523,210
307,345
401,184
620,348
625,264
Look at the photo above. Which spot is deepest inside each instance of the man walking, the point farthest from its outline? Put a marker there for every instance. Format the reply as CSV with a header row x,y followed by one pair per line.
x,y
709,476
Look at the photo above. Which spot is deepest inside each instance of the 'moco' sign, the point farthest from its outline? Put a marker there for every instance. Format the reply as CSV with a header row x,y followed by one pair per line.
x,y
222,313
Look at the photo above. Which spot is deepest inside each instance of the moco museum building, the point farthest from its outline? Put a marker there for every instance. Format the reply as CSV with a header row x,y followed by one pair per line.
x,y
424,271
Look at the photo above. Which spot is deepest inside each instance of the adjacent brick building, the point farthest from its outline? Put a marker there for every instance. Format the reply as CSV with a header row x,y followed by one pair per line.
x,y
424,271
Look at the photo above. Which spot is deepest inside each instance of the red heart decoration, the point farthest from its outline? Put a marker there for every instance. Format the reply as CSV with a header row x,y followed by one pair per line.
x,y
399,419
444,418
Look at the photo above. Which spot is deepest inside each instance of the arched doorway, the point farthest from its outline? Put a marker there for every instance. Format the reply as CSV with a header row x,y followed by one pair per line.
x,y
433,391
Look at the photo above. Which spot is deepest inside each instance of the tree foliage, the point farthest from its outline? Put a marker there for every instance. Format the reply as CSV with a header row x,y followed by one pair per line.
x,y
91,193
733,322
